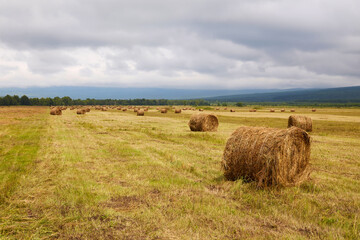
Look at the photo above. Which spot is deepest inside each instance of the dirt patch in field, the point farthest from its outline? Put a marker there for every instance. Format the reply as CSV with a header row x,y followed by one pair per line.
x,y
124,203
12,115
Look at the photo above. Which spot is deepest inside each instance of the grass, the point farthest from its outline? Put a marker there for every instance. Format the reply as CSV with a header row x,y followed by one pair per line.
x,y
113,175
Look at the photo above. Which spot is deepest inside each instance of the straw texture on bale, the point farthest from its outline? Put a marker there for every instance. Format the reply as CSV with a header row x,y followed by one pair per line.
x,y
203,122
268,156
81,111
140,112
302,122
55,111
164,110
177,110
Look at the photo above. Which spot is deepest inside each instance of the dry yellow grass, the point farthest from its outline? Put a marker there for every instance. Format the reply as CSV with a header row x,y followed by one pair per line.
x,y
152,178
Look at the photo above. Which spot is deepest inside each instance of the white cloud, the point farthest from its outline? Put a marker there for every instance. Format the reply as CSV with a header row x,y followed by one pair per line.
x,y
183,44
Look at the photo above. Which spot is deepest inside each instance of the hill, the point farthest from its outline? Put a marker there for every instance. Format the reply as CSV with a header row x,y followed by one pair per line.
x,y
330,95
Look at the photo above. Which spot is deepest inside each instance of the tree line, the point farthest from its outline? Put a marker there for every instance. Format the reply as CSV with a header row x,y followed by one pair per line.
x,y
67,101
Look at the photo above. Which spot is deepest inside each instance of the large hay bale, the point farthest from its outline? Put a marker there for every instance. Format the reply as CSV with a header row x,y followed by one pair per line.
x,y
55,111
268,156
140,112
81,111
177,110
203,122
164,110
302,122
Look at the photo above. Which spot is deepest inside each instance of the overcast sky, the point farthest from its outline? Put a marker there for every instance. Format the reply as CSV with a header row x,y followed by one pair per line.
x,y
198,44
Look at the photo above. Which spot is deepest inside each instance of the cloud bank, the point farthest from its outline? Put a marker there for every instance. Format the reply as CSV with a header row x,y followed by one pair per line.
x,y
185,44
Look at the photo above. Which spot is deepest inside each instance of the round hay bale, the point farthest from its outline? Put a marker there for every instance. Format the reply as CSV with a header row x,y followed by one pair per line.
x,y
146,109
55,111
282,110
225,108
268,156
217,108
81,111
272,110
302,122
140,112
292,110
177,110
135,109
203,122
87,109
119,108
252,110
164,110
232,110
201,110
313,110
124,109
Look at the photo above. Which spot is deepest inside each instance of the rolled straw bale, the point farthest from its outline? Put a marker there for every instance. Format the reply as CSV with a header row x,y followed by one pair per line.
x,y
203,122
103,109
146,109
81,111
225,108
232,110
164,110
55,111
292,110
272,110
119,108
252,110
136,109
282,110
313,110
140,112
178,110
268,156
124,109
87,109
217,108
201,110
302,122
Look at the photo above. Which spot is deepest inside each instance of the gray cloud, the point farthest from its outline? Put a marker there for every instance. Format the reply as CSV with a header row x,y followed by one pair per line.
x,y
205,43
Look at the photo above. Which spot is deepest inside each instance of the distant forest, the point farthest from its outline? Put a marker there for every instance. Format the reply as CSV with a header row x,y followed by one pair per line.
x,y
67,101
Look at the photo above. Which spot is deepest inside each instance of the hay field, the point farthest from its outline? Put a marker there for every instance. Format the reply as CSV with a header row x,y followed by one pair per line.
x,y
114,175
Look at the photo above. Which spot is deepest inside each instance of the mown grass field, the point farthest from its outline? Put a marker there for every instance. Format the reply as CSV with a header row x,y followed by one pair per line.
x,y
113,175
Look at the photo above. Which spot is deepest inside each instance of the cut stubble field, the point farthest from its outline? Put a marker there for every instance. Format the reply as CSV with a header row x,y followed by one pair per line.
x,y
114,175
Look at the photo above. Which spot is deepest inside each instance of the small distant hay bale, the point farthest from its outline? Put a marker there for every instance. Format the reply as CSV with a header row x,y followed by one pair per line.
x,y
184,109
313,110
178,110
302,122
81,111
203,122
103,109
136,109
272,110
268,156
163,110
225,108
146,109
87,109
119,108
282,110
140,112
217,108
252,110
292,110
232,110
55,111
157,108
72,108
124,109
201,110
